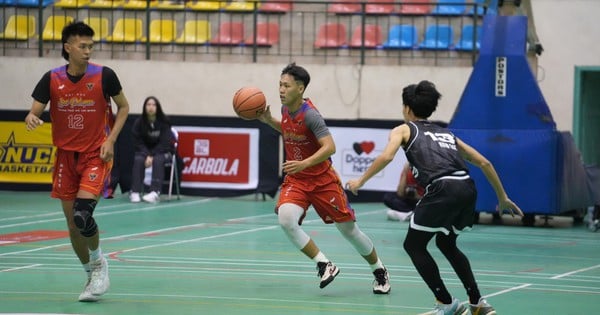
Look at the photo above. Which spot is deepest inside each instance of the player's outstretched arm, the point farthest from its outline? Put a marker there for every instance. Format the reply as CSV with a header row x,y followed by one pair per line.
x,y
32,120
477,159
397,137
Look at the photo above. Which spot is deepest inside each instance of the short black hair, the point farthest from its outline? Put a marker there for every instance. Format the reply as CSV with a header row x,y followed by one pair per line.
x,y
299,73
421,98
75,28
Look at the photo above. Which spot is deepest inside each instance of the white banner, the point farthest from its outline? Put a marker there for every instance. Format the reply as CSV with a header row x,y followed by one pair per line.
x,y
357,148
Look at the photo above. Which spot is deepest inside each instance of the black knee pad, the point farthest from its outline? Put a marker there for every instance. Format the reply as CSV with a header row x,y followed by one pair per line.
x,y
82,215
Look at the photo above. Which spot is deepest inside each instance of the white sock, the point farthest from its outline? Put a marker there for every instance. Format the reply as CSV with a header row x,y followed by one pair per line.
x,y
377,265
87,269
95,254
320,257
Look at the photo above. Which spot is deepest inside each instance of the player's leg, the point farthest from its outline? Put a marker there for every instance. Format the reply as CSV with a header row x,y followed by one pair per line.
x,y
95,174
290,216
460,263
364,246
79,243
137,177
415,245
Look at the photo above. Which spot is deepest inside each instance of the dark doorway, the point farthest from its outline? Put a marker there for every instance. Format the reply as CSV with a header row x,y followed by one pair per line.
x,y
586,113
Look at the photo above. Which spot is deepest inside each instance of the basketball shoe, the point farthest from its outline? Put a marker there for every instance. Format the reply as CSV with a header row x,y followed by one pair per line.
x,y
482,308
99,281
86,295
454,308
327,271
381,285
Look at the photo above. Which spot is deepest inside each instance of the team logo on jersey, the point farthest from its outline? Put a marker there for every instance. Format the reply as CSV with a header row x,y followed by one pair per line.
x,y
90,86
93,176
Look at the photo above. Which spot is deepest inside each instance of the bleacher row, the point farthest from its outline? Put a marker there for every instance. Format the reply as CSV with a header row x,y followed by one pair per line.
x,y
434,35
416,7
330,35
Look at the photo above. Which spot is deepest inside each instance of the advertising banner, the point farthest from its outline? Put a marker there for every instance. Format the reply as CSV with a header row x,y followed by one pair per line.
x,y
26,156
213,157
357,148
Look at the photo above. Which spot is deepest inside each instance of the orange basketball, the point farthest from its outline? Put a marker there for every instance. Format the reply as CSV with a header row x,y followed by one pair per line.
x,y
249,102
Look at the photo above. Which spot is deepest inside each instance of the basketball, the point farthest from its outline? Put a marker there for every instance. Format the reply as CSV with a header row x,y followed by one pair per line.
x,y
249,102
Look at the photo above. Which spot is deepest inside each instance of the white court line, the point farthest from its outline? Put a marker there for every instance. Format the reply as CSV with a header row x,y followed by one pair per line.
x,y
101,214
193,240
19,268
51,214
508,290
227,298
183,227
574,272
218,235
125,236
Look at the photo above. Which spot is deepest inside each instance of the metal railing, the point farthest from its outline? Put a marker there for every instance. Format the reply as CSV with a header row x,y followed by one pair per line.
x,y
298,27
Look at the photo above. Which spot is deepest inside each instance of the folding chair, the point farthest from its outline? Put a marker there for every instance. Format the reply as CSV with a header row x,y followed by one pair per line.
x,y
172,177
174,171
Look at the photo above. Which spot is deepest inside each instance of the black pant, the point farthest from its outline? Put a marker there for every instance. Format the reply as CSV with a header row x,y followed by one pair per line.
x,y
395,202
158,172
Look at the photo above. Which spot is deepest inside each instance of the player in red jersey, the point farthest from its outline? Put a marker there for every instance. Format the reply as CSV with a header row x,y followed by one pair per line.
x,y
84,131
311,180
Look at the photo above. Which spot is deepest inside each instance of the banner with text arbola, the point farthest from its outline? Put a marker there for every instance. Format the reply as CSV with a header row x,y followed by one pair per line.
x,y
26,157
219,158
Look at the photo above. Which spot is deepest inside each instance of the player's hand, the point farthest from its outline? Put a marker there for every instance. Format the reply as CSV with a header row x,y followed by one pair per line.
x,y
509,206
293,166
32,121
148,161
353,186
265,116
107,151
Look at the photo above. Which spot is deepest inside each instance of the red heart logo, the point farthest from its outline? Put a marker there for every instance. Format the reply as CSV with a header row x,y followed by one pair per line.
x,y
367,146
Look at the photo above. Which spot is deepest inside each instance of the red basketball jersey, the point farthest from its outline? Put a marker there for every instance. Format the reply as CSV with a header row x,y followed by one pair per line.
x,y
81,115
299,141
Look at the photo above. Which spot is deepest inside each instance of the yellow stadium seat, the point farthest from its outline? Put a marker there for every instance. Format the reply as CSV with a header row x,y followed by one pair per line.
x,y
19,27
127,30
106,4
162,31
195,32
169,5
100,27
54,26
71,3
206,5
138,4
241,6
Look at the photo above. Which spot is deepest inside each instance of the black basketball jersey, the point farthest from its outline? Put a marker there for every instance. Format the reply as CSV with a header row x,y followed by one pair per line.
x,y
432,152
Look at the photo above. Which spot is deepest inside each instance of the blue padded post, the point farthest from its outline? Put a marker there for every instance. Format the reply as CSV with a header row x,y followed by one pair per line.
x,y
503,114
502,92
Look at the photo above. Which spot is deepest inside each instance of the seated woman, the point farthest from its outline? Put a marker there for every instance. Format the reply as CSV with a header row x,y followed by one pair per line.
x,y
154,145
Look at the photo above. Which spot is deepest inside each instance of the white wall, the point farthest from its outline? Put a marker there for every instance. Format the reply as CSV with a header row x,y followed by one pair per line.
x,y
567,30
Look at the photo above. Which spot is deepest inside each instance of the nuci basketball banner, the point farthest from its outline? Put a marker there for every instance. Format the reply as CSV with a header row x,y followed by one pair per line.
x,y
219,157
26,156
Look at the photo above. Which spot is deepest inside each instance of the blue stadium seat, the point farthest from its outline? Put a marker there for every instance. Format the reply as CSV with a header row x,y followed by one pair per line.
x,y
449,7
32,3
467,41
402,36
438,37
